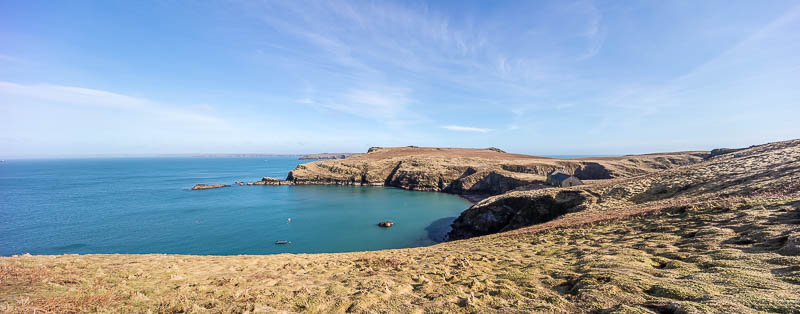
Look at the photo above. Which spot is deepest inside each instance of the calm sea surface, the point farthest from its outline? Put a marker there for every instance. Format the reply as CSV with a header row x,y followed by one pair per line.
x,y
145,205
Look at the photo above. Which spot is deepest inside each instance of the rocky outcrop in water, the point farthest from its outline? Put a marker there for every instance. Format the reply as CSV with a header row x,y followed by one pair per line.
x,y
271,181
208,186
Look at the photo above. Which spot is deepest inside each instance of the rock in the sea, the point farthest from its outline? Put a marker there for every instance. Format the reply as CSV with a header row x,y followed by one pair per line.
x,y
271,181
208,186
385,224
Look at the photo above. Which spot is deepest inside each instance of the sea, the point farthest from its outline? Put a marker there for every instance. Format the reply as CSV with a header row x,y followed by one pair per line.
x,y
146,205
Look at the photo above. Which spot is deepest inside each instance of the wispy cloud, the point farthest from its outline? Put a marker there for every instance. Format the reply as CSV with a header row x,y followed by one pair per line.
x,y
594,33
383,104
465,128
60,94
7,58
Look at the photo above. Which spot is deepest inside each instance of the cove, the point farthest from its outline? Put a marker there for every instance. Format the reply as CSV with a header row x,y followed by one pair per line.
x,y
144,205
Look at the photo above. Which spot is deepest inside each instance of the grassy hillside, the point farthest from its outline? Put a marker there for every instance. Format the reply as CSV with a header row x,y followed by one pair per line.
x,y
763,170
721,235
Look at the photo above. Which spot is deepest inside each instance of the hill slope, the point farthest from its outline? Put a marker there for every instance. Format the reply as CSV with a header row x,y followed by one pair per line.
x,y
762,169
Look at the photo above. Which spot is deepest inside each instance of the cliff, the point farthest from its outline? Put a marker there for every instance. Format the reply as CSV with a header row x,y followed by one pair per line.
x,y
467,171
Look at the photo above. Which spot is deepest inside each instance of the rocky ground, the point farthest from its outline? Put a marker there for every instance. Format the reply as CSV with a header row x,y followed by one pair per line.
x,y
721,235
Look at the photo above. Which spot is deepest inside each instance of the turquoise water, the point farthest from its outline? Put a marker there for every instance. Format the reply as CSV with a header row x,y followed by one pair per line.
x,y
145,205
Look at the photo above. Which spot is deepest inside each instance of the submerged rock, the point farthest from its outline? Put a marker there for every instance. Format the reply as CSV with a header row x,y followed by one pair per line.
x,y
208,186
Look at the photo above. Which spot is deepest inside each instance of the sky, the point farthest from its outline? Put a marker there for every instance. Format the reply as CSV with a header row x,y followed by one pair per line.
x,y
81,78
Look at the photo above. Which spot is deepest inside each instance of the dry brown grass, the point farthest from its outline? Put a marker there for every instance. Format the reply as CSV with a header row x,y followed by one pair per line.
x,y
395,152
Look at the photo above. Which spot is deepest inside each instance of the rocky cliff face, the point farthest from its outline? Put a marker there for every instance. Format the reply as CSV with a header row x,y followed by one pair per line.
x,y
518,211
472,171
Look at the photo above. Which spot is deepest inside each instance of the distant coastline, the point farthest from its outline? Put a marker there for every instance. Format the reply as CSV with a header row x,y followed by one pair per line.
x,y
246,155
328,156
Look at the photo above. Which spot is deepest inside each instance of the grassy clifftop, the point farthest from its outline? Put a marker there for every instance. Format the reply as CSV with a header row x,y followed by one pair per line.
x,y
721,235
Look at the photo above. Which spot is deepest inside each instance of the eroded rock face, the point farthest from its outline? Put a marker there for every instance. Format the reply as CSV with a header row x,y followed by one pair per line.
x,y
208,186
516,212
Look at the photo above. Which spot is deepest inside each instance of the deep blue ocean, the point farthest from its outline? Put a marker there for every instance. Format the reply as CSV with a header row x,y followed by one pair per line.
x,y
146,205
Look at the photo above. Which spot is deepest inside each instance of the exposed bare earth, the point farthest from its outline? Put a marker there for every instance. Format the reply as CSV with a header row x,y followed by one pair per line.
x,y
721,235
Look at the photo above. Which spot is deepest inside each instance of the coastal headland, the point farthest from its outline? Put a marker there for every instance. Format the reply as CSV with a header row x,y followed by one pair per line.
x,y
659,233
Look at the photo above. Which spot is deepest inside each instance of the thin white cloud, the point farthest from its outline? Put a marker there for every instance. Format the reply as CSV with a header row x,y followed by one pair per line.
x,y
594,33
465,128
8,58
379,104
60,94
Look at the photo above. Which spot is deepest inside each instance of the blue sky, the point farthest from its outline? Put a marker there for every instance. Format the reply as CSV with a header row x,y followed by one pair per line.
x,y
606,77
